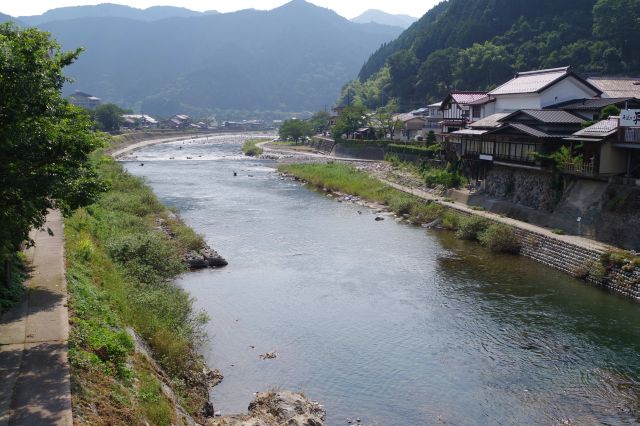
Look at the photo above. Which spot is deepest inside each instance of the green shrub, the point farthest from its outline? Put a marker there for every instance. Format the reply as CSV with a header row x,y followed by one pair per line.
x,y
451,220
500,238
401,204
13,293
251,149
147,257
470,228
434,177
425,212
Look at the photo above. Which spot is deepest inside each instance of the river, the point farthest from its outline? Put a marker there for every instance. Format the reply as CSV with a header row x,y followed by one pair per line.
x,y
385,321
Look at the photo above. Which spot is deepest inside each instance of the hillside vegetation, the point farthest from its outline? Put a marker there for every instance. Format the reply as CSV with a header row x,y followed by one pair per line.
x,y
477,44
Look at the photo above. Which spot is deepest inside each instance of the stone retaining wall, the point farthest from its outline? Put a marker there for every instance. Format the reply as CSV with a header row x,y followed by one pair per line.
x,y
322,145
582,263
531,188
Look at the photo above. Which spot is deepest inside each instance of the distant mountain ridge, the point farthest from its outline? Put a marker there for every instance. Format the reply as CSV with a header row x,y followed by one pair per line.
x,y
104,10
292,58
380,17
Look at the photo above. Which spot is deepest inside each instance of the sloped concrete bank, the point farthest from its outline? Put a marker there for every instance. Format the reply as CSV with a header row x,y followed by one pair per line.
x,y
577,256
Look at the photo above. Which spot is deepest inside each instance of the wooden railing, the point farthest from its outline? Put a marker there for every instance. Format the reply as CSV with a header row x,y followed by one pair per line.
x,y
579,168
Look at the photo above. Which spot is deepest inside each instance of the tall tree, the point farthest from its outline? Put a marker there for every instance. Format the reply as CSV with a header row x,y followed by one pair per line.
x,y
44,141
295,129
386,120
351,118
108,117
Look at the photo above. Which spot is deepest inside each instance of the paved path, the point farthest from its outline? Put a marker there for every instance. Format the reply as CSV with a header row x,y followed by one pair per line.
x,y
35,387
291,151
572,239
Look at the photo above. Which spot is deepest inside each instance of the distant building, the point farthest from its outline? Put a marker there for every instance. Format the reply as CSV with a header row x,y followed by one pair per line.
x,y
617,87
84,100
137,121
179,121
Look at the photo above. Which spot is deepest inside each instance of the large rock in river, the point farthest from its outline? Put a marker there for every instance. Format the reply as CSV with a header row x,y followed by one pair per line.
x,y
275,409
205,258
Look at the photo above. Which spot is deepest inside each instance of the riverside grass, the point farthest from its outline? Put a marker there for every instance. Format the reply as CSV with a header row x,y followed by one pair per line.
x,y
119,267
250,148
344,178
347,179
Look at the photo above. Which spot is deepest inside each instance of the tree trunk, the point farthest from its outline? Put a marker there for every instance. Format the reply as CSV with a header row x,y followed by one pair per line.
x,y
7,272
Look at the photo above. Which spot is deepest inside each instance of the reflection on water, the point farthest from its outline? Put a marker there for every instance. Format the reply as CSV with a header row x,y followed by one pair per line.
x,y
385,321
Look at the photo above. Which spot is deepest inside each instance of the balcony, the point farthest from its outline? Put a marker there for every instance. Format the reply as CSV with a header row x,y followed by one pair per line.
x,y
579,168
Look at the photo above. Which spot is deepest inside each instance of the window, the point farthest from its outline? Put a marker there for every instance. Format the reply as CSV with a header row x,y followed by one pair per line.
x,y
476,111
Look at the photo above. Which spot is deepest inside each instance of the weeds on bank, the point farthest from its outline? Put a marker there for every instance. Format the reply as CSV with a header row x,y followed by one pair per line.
x,y
498,238
251,149
120,265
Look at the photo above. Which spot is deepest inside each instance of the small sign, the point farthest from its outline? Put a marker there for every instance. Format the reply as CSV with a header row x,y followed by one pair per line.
x,y
630,117
486,157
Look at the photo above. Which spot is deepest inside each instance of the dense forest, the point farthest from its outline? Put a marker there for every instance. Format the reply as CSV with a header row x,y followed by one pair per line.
x,y
477,44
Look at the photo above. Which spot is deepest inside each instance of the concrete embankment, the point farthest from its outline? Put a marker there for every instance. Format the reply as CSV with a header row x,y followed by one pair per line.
x,y
574,255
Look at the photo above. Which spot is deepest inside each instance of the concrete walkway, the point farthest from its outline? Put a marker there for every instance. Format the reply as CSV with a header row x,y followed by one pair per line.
x,y
35,387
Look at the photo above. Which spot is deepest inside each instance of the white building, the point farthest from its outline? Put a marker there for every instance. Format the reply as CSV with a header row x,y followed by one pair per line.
x,y
538,89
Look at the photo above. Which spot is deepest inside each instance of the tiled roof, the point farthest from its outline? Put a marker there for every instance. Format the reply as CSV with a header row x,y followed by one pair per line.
x,y
594,103
530,130
469,132
531,81
555,116
601,129
467,97
490,121
437,104
408,116
483,100
616,87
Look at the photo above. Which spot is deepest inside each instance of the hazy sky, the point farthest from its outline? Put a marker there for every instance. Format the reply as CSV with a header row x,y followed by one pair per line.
x,y
346,8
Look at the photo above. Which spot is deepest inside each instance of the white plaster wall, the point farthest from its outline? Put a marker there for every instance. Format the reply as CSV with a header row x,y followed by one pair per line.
x,y
612,160
510,103
565,90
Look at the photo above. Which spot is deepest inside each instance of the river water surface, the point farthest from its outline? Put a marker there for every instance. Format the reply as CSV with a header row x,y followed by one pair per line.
x,y
384,321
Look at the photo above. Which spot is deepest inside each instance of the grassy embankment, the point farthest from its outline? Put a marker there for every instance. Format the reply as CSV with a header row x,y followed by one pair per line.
x,y
343,178
251,149
122,253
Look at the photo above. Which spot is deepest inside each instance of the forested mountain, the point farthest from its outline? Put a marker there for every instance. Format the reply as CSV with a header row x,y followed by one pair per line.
x,y
476,44
112,10
292,58
380,17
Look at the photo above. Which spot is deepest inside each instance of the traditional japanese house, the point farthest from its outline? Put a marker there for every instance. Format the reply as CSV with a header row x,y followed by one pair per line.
x,y
590,109
517,139
457,110
595,150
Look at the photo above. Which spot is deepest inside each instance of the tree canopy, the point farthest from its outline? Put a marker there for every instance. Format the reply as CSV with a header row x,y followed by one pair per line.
x,y
477,44
108,117
295,129
44,141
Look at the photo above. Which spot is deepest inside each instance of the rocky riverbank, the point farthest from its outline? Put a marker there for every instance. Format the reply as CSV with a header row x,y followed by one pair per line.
x,y
276,409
